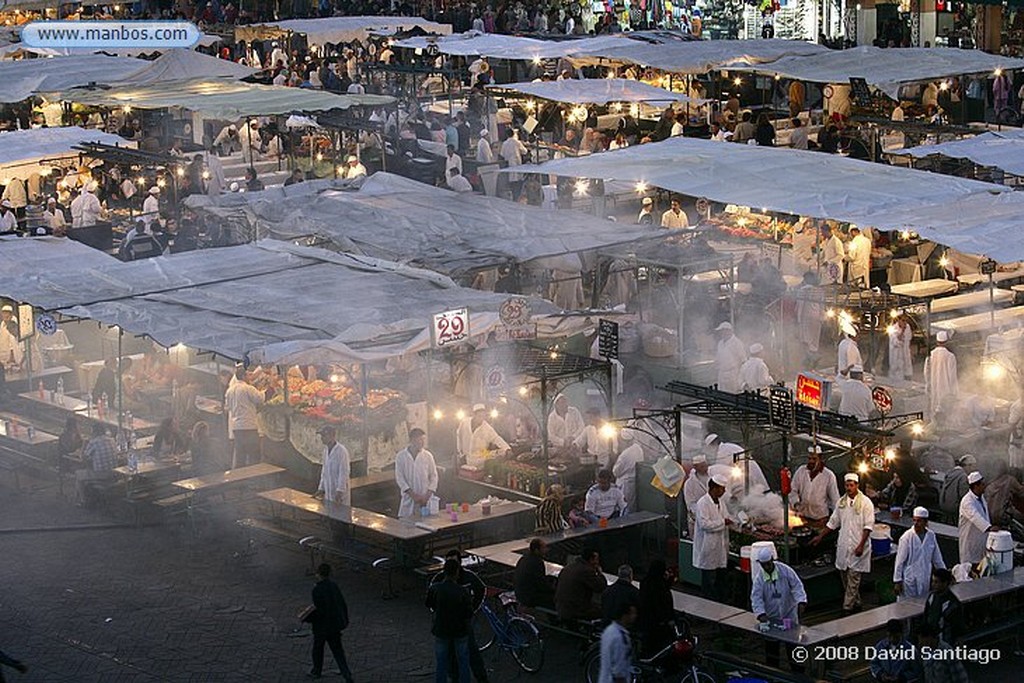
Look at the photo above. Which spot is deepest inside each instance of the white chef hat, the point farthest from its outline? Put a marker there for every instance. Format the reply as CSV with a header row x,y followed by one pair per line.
x,y
154,190
856,368
851,476
699,459
351,158
756,349
485,133
7,308
974,477
720,480
723,326
814,449
710,439
647,201
921,512
942,337
92,186
479,406
6,203
765,554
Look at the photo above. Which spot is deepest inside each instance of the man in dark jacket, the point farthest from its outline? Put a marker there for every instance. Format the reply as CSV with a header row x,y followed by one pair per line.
x,y
531,581
619,595
942,609
577,585
329,619
478,590
453,608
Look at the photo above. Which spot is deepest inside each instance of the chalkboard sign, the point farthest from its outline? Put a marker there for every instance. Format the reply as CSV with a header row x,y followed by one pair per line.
x,y
988,267
860,91
781,410
608,339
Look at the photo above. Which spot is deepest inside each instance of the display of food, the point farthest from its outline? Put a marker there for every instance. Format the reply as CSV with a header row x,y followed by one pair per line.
x,y
743,223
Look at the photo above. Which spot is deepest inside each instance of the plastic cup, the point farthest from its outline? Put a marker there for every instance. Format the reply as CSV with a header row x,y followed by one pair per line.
x,y
425,511
465,508
787,624
485,507
603,523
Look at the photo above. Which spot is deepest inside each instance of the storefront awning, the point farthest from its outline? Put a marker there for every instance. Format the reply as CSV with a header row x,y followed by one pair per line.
x,y
23,78
598,91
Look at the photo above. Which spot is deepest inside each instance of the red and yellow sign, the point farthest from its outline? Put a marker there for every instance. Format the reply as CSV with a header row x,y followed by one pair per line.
x,y
812,391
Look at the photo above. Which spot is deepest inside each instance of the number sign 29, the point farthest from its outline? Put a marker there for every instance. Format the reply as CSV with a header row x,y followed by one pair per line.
x,y
451,327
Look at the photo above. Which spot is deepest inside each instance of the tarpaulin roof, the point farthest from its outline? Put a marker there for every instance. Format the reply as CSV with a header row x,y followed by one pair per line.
x,y
22,147
1003,150
698,56
886,69
473,43
9,48
597,91
223,99
403,220
23,78
182,65
347,29
234,300
798,182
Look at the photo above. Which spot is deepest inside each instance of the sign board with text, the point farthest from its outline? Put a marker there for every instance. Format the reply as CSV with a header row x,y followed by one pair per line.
x,y
450,327
882,400
781,410
813,391
516,320
608,339
988,267
26,322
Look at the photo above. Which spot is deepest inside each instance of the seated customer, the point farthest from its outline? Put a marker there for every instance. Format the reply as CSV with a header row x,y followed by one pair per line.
x,y
533,589
604,499
620,595
895,663
548,514
168,439
578,584
577,514
101,454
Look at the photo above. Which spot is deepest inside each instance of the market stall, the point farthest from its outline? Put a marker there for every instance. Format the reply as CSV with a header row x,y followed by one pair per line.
x,y
995,154
321,32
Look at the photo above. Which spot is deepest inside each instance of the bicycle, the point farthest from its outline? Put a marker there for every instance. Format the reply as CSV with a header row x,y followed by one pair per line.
x,y
674,663
510,631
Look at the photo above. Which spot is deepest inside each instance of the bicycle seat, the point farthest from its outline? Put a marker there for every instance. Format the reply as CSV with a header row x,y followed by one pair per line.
x,y
507,598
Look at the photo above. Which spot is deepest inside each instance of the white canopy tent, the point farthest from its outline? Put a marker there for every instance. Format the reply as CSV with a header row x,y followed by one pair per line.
x,y
598,91
23,78
13,48
22,150
1003,150
400,219
474,44
347,29
182,65
237,300
885,69
697,56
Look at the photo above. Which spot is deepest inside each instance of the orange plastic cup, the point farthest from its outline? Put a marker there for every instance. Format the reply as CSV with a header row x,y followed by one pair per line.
x,y
465,508
603,523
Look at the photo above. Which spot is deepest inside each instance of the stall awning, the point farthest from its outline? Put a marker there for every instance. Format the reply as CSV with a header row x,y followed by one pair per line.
x,y
493,45
698,56
598,91
23,78
235,300
1003,150
791,181
221,99
346,29
27,147
182,65
400,219
886,69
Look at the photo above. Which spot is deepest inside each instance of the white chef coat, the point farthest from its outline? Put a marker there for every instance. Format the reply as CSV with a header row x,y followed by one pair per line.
x,y
856,399
335,477
814,497
851,518
694,488
604,503
414,475
353,172
85,210
847,355
150,209
9,344
458,183
779,595
450,162
859,253
832,255
277,55
562,431
808,318
901,364
974,523
754,375
729,358
737,486
55,221
512,151
484,154
216,183
915,559
590,439
475,444
624,472
710,534
241,400
8,221
940,379
671,219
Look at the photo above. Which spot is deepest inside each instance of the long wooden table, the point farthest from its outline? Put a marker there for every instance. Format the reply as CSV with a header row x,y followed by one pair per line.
x,y
76,406
401,530
989,586
20,434
979,322
969,300
219,480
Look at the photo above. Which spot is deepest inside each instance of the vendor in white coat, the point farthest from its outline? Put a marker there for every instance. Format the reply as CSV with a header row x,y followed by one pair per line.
x,y
856,396
695,487
854,519
86,207
815,491
917,553
335,475
624,469
975,524
940,377
832,255
711,538
415,473
151,206
476,440
729,358
858,254
777,593
754,373
901,364
565,423
591,441
848,353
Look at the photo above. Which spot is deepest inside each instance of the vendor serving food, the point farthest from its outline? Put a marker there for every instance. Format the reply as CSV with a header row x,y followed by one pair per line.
x,y
477,441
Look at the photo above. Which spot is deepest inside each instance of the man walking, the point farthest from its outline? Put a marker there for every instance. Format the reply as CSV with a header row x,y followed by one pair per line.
x,y
328,618
975,524
854,519
617,647
916,555
453,608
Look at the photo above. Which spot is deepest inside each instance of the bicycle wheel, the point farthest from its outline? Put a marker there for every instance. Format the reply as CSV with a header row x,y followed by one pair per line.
x,y
483,632
525,644
695,675
592,664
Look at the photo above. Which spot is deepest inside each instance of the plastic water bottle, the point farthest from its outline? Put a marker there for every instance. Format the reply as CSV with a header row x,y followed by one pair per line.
x,y
60,390
88,405
129,422
31,432
133,462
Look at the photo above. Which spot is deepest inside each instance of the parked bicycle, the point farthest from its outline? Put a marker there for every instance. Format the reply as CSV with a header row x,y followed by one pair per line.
x,y
509,630
674,663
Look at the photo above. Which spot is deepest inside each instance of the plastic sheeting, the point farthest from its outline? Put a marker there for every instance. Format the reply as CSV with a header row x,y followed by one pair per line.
x,y
183,65
346,29
24,147
222,99
791,181
598,91
22,78
400,219
886,69
1003,150
472,44
698,56
235,300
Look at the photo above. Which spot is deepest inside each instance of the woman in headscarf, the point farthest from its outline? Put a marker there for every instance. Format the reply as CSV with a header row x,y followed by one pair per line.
x,y
654,622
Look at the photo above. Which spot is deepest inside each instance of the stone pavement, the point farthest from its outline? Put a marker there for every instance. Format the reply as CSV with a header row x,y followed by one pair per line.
x,y
119,603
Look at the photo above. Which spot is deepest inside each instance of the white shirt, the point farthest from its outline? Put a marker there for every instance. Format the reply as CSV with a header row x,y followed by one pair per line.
x,y
450,162
940,378
814,497
335,475
241,400
562,431
671,219
778,595
915,559
832,254
352,172
414,476
616,654
356,89
8,221
856,400
624,472
604,503
710,534
859,251
694,488
475,444
591,441
85,210
677,129
278,55
851,518
901,363
729,358
484,155
798,138
754,375
974,523
55,220
150,209
847,355
10,347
